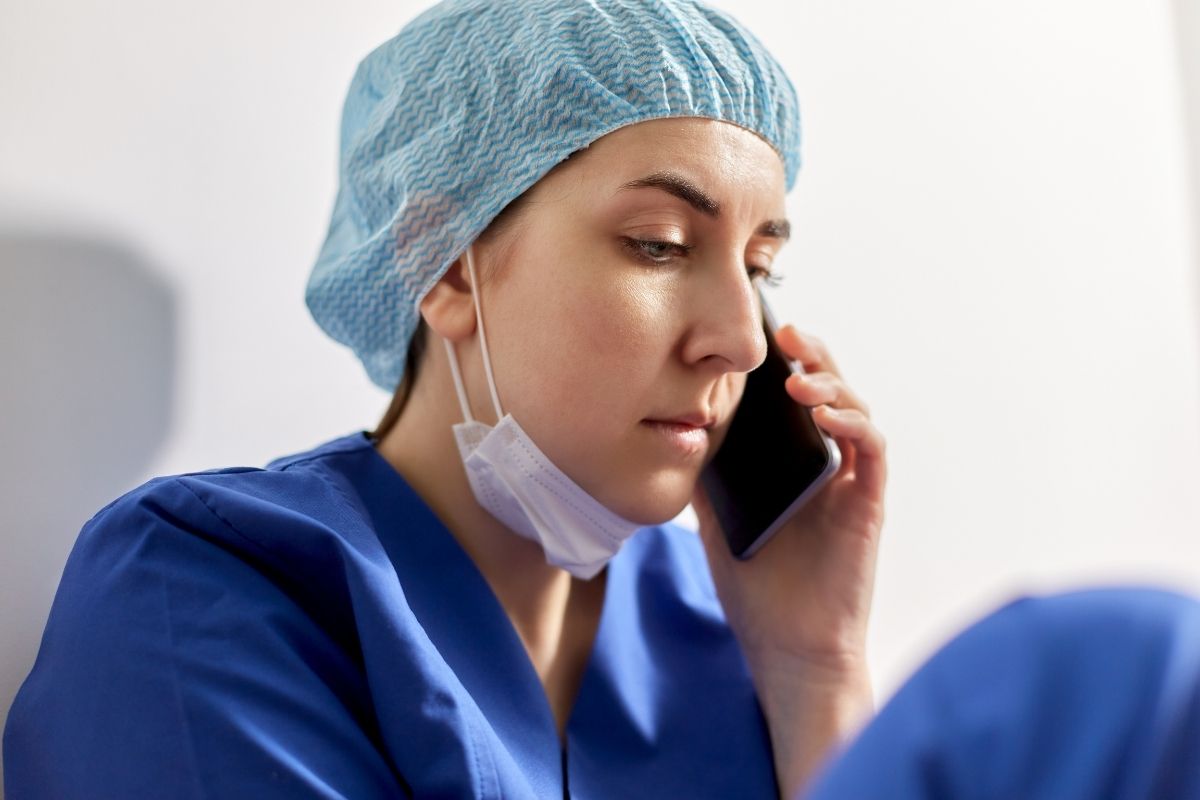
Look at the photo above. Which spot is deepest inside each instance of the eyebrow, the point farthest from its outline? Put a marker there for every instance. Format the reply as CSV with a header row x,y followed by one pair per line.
x,y
689,192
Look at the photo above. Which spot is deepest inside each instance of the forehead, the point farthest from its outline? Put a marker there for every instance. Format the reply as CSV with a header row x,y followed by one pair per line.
x,y
731,164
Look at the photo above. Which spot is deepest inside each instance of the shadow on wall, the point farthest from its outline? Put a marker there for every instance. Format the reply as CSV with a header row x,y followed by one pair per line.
x,y
87,354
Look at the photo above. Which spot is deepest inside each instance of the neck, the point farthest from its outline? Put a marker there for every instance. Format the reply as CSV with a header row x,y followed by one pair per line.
x,y
553,612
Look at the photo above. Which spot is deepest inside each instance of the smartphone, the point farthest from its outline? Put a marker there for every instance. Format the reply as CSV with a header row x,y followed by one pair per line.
x,y
773,459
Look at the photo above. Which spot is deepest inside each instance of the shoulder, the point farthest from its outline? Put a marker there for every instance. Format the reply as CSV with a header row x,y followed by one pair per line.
x,y
222,558
294,532
285,506
207,618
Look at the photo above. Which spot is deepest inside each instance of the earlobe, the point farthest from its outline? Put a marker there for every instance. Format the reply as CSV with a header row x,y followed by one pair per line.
x,y
448,308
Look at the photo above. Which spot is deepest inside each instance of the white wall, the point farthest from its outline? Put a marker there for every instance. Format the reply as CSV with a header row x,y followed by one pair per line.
x,y
994,237
1187,46
996,240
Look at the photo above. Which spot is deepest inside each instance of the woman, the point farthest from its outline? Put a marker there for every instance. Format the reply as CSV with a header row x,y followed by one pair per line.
x,y
550,223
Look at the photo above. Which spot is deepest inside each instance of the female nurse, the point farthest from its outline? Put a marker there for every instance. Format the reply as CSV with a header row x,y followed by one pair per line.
x,y
549,231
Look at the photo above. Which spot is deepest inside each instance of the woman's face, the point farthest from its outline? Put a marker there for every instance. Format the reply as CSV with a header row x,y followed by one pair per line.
x,y
623,295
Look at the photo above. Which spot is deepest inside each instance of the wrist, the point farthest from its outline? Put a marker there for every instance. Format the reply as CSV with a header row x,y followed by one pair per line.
x,y
832,674
810,709
840,697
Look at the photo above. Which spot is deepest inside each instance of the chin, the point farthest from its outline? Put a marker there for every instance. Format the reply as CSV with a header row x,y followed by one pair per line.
x,y
656,499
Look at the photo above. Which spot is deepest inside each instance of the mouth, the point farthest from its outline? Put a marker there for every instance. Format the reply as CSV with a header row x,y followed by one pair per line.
x,y
686,435
698,419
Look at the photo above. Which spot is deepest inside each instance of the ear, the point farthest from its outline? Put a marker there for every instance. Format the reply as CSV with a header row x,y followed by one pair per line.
x,y
448,307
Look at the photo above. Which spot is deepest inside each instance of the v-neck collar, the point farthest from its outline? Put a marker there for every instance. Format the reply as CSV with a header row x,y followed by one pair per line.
x,y
466,622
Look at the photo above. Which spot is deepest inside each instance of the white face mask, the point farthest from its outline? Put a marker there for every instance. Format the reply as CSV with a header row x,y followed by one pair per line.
x,y
521,487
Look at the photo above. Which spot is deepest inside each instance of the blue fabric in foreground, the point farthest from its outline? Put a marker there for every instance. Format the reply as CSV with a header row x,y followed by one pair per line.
x,y
1087,695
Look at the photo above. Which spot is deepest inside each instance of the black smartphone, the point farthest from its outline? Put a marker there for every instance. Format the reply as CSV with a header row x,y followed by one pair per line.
x,y
774,457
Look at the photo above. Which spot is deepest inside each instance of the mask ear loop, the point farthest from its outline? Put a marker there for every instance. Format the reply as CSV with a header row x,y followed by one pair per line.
x,y
487,359
458,384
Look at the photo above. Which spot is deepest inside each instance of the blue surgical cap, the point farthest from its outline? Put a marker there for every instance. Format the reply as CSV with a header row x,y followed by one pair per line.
x,y
474,100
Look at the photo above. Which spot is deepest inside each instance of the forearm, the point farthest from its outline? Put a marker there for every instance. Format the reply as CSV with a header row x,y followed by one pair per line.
x,y
808,713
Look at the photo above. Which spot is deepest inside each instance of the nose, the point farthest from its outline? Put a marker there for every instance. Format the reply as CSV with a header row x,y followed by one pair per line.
x,y
726,328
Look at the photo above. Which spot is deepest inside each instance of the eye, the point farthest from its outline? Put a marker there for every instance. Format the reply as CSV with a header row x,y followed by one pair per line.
x,y
657,251
764,274
653,250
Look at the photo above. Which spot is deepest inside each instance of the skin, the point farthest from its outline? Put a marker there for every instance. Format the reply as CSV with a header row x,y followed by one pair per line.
x,y
589,337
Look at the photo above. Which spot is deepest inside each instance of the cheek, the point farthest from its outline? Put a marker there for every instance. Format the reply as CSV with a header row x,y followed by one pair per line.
x,y
615,322
727,394
593,365
618,336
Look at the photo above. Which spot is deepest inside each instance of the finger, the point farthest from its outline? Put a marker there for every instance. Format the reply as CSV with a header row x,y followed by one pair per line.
x,y
867,442
817,388
849,456
810,351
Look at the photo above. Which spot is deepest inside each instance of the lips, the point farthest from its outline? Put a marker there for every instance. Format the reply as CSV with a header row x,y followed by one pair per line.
x,y
697,419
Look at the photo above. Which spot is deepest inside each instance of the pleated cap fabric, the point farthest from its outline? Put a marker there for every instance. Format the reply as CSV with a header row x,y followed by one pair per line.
x,y
474,100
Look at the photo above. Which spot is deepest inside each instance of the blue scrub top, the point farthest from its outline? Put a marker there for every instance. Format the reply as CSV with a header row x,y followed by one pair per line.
x,y
311,629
